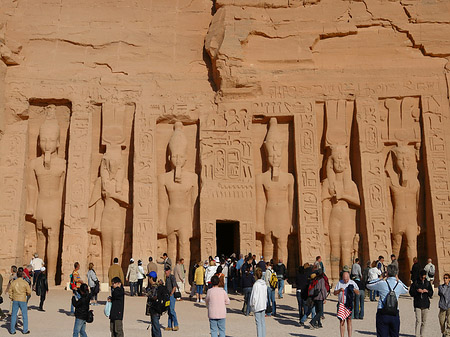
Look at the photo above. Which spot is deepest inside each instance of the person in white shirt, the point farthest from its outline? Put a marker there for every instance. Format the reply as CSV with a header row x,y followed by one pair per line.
x,y
342,292
141,276
37,263
374,274
258,303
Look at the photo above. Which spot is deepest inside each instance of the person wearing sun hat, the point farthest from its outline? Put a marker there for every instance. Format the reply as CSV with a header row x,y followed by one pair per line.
x,y
41,287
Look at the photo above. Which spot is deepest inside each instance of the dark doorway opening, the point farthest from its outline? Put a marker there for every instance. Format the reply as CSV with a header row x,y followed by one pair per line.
x,y
227,237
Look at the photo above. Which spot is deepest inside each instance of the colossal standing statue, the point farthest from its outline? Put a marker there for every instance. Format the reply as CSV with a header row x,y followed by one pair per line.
x,y
45,192
274,197
115,196
177,193
405,188
339,198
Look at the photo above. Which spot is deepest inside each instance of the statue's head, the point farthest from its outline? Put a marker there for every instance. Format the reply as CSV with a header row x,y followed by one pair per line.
x,y
274,144
339,158
177,146
113,158
404,157
49,134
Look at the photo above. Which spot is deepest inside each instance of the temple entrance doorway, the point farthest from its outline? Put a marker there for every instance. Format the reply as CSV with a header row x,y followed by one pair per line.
x,y
227,237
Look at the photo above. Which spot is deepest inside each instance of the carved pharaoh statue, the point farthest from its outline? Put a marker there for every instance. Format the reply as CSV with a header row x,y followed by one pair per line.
x,y
177,193
45,191
405,188
274,197
114,186
339,198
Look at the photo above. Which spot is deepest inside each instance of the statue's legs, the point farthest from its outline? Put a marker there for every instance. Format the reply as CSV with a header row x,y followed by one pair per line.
x,y
172,247
107,239
397,243
411,243
185,253
40,240
268,247
282,243
335,256
52,252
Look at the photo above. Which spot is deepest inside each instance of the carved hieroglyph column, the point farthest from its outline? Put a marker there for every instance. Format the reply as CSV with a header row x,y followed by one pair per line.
x,y
13,147
309,194
75,242
434,112
375,194
144,229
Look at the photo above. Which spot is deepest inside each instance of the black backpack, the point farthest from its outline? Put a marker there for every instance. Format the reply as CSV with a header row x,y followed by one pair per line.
x,y
162,302
390,306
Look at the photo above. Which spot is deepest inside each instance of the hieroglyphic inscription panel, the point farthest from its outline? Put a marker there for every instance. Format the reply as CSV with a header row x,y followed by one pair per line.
x,y
75,243
144,230
375,194
307,152
434,109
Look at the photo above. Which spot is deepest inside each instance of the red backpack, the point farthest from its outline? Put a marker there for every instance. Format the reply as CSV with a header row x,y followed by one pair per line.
x,y
327,284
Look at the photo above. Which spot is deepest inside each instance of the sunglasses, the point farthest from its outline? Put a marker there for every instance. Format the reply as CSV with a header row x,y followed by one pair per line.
x,y
446,278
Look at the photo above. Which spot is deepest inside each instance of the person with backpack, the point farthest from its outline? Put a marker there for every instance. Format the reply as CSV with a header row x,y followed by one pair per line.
x,y
431,270
81,305
346,290
387,318
421,290
216,302
75,283
270,277
281,270
157,299
317,291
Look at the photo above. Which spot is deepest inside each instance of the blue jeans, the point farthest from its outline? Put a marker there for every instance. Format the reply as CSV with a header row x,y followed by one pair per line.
x,y
156,328
133,288
225,287
260,323
172,322
319,312
387,325
271,300
79,328
372,295
307,311
24,309
217,324
247,293
280,287
77,296
200,289
358,308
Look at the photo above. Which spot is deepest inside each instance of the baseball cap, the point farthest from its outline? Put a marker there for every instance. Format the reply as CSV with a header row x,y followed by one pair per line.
x,y
153,274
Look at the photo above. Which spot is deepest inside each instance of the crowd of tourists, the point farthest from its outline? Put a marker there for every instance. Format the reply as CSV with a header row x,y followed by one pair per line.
x,y
258,283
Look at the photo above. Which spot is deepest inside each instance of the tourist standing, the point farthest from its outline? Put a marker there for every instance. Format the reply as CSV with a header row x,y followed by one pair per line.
x,y
41,287
81,305
199,281
216,301
165,261
75,284
18,292
258,303
356,270
155,310
225,270
210,272
171,285
431,270
319,263
115,270
346,290
117,305
388,323
318,293
394,261
141,276
374,274
247,285
132,277
358,308
151,266
93,283
380,265
444,306
421,290
12,277
271,288
415,269
2,315
36,264
180,274
280,269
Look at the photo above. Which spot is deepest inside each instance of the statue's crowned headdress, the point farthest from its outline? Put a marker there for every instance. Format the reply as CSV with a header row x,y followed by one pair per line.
x,y
178,141
50,125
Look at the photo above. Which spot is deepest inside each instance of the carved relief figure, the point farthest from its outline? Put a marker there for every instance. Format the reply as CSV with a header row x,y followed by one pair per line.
x,y
45,191
339,198
114,186
404,187
274,197
177,193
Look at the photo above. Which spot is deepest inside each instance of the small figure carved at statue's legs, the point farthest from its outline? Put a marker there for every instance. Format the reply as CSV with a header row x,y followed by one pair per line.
x,y
41,241
172,246
268,247
397,243
282,244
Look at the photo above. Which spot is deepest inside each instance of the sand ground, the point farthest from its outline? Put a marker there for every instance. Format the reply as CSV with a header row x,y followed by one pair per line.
x,y
193,320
